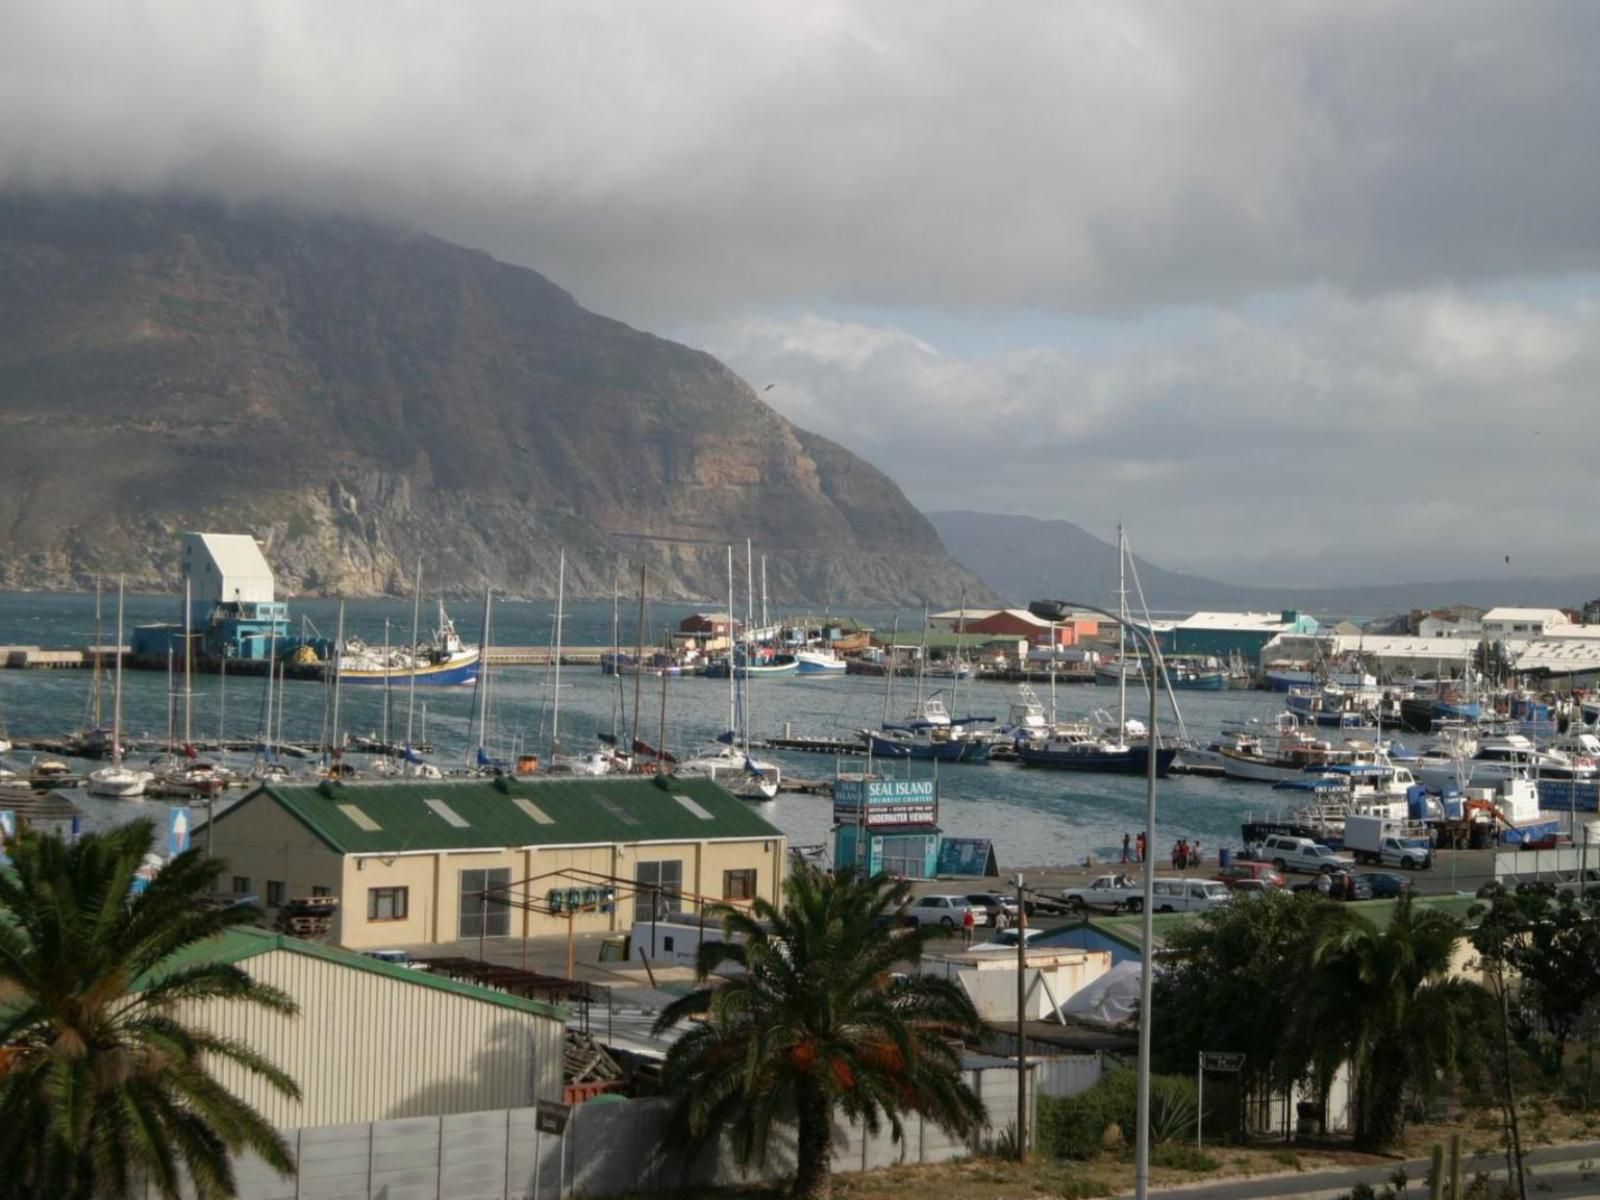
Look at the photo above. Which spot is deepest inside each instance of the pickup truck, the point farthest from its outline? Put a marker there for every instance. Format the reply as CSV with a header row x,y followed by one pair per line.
x,y
1112,892
1378,840
1288,853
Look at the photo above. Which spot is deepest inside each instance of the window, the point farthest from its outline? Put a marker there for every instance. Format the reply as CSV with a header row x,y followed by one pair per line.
x,y
274,893
321,891
388,904
241,885
904,857
739,885
484,912
661,881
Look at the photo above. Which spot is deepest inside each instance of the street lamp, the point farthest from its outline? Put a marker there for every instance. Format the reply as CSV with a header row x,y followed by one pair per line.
x,y
1141,1161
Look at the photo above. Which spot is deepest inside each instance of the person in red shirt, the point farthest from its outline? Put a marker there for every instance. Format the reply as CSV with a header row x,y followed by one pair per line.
x,y
968,923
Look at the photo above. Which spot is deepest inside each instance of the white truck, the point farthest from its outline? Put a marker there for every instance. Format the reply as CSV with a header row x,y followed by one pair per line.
x,y
1288,853
1112,892
1386,841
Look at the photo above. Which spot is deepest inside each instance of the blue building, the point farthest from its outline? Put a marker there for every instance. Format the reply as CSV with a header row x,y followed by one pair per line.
x,y
1221,634
886,825
232,612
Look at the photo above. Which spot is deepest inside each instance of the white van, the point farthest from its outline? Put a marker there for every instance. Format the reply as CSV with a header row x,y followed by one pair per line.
x,y
1188,895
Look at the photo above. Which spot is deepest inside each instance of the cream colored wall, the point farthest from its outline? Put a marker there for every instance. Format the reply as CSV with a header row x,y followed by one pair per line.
x,y
433,903
263,842
366,1047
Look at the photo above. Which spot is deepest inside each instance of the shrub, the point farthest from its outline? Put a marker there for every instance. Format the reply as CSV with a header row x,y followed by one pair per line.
x,y
1075,1126
1182,1156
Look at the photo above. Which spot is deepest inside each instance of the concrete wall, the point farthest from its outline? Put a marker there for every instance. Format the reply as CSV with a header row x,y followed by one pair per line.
x,y
369,1047
262,842
434,898
992,984
607,1150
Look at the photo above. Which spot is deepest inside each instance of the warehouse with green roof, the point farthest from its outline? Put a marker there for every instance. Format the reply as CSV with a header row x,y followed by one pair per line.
x,y
431,861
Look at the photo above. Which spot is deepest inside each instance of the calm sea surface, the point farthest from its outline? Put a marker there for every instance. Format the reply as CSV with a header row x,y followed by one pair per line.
x,y
1034,817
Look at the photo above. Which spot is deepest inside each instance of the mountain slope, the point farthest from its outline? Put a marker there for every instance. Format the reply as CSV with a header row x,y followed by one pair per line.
x,y
357,396
1025,558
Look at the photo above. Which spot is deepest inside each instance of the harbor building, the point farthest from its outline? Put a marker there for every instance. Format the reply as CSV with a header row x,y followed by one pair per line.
x,y
1522,624
1069,630
232,610
431,862
373,1040
1222,634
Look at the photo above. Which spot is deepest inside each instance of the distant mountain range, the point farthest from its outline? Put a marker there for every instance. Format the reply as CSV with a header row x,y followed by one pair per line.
x,y
359,397
1026,558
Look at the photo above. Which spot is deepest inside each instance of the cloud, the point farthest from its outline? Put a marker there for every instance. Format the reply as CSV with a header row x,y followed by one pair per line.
x,y
1435,431
731,156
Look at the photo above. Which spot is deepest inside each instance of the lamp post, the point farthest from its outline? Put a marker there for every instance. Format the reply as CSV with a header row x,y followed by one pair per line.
x,y
1141,1167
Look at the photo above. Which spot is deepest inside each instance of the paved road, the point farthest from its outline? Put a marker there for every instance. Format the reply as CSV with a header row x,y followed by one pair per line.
x,y
1554,1172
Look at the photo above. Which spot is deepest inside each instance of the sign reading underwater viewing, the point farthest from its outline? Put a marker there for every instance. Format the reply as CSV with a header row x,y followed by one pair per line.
x,y
883,802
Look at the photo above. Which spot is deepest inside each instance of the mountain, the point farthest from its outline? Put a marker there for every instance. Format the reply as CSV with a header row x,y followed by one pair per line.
x,y
1026,558
356,396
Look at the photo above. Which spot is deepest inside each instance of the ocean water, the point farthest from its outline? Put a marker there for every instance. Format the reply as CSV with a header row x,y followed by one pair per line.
x,y
1035,817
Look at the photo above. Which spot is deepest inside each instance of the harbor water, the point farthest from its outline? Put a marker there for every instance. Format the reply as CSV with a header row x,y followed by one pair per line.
x,y
1034,817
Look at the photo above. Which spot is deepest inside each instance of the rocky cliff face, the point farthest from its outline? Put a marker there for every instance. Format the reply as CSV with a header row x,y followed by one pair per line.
x,y
357,396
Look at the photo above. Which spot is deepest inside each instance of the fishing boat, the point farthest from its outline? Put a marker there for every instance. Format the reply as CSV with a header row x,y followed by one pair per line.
x,y
940,743
818,660
1076,750
440,661
1284,753
117,781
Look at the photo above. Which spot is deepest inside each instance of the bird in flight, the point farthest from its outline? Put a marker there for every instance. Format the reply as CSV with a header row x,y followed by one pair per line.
x,y
769,387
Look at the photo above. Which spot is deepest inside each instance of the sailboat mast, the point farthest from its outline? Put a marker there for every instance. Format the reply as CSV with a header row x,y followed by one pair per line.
x,y
616,653
750,656
733,703
116,696
483,675
188,662
763,591
283,678
99,643
222,706
272,666
336,739
388,675
638,664
416,636
555,712
1122,634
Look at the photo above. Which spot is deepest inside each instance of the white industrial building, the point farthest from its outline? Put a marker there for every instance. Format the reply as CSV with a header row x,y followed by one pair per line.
x,y
374,1041
1522,624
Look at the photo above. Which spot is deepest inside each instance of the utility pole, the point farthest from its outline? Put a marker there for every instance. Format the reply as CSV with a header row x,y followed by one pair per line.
x,y
1022,1026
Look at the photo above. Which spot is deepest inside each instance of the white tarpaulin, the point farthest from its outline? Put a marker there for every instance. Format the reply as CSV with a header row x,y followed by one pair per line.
x,y
1111,1000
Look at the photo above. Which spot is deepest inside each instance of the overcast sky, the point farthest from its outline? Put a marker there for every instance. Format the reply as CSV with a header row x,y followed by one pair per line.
x,y
1306,292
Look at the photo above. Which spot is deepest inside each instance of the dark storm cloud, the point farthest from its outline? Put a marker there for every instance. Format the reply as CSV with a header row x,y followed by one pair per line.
x,y
712,157
1379,219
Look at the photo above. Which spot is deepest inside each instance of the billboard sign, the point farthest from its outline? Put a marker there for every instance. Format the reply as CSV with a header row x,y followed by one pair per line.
x,y
885,802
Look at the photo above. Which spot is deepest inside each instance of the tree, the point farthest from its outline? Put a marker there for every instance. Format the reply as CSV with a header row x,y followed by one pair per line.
x,y
1385,1001
103,1082
814,1020
1550,940
1230,980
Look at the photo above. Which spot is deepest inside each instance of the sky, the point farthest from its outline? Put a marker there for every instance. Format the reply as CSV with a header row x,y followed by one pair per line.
x,y
1303,292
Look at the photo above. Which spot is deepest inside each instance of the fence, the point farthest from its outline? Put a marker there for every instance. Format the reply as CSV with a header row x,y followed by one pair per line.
x,y
607,1150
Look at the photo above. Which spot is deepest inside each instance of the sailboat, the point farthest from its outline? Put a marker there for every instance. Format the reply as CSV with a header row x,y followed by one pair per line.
x,y
1123,748
729,763
596,762
117,781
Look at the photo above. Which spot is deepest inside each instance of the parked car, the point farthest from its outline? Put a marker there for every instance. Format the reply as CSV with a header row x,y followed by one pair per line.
x,y
1006,939
1385,885
1188,895
1288,853
949,911
1260,873
997,906
1337,885
395,958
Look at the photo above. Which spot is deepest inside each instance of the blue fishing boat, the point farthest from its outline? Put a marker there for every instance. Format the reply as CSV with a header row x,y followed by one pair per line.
x,y
1076,752
934,745
442,660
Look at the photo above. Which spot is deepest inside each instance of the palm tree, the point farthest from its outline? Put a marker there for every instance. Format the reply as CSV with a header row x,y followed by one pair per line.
x,y
1384,1001
103,1082
814,1021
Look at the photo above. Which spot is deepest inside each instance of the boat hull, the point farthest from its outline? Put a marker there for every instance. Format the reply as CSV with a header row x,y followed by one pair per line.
x,y
819,666
960,750
454,673
1133,760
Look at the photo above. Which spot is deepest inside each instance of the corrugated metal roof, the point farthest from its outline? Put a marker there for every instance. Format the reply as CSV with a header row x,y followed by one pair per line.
x,y
391,818
246,941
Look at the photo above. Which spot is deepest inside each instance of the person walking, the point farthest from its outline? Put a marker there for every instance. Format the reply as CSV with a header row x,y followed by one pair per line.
x,y
1139,842
968,923
1126,841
